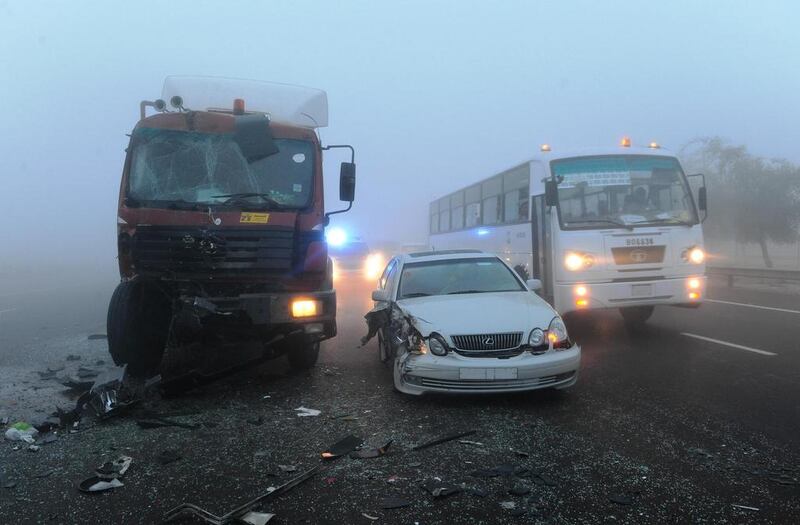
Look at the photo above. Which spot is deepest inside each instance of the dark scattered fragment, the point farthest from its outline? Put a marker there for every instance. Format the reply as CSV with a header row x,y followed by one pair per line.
x,y
45,474
5,481
87,373
258,421
540,478
344,446
73,357
620,499
500,470
77,385
369,452
48,374
444,439
519,490
168,456
4,420
476,491
393,502
440,489
47,425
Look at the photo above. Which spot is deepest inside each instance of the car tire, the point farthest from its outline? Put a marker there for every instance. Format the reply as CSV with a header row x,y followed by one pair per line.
x,y
139,317
636,316
304,355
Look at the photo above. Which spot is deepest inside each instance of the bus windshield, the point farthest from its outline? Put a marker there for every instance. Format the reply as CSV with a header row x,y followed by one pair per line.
x,y
622,190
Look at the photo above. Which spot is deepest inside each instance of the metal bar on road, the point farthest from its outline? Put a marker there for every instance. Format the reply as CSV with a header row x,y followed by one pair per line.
x,y
726,343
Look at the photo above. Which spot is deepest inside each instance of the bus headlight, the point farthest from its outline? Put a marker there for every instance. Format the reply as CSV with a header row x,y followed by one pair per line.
x,y
575,261
694,255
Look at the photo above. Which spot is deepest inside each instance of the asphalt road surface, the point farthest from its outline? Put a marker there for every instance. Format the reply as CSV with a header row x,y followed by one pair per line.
x,y
693,419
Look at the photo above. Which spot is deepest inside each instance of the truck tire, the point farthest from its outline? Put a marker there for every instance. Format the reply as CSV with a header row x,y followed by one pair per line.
x,y
304,355
636,316
139,316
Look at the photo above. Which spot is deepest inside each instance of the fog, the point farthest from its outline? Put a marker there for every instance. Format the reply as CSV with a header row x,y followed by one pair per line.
x,y
432,95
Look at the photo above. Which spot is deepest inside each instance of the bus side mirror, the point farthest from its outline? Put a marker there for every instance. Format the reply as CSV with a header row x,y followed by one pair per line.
x,y
347,182
702,199
550,192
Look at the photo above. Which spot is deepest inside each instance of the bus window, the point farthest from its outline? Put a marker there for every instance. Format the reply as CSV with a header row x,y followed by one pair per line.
x,y
472,197
516,198
491,190
435,223
444,221
457,218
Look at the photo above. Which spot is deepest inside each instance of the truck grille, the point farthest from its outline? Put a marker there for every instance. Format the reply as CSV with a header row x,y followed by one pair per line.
x,y
480,343
638,255
216,253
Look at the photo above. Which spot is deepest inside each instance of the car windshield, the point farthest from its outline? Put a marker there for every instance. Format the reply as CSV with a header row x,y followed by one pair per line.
x,y
629,190
457,276
209,168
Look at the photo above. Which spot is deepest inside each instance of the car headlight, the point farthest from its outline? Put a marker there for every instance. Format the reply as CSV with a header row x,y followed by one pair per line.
x,y
575,261
694,255
436,345
536,338
557,333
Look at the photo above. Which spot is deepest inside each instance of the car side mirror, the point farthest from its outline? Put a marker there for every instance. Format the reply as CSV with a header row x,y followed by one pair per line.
x,y
550,192
347,182
702,199
534,284
380,296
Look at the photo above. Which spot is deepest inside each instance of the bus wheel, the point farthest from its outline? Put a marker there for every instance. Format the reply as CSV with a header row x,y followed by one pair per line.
x,y
303,355
635,316
139,316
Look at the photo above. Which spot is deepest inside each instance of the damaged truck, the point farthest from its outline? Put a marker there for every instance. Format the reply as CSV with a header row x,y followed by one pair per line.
x,y
221,223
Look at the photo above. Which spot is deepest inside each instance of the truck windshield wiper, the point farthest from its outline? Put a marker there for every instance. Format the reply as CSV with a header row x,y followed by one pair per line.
x,y
231,198
602,221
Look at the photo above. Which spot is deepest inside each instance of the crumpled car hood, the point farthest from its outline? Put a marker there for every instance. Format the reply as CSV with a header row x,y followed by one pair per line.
x,y
479,313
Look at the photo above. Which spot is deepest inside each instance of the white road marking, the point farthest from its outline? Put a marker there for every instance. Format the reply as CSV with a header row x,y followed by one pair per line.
x,y
8,310
754,306
732,345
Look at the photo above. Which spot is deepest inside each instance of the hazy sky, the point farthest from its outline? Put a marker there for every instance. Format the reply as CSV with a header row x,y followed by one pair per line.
x,y
433,95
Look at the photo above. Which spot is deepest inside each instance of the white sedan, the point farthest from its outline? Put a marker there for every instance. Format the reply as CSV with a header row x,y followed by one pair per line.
x,y
464,321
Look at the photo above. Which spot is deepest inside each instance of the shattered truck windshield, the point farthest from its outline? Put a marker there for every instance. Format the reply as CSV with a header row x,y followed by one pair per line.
x,y
192,168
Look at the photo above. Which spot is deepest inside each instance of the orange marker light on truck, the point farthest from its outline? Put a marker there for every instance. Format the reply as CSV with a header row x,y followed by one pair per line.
x,y
625,142
694,296
238,106
582,303
306,308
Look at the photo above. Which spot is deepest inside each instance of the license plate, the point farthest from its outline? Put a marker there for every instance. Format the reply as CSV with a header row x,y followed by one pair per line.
x,y
641,290
487,374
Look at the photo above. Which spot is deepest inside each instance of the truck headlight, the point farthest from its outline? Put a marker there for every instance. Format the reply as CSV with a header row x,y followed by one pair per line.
x,y
536,338
694,255
436,345
306,308
575,261
373,266
557,333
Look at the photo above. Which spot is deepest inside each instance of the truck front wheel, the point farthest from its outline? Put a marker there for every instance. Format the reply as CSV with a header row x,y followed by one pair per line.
x,y
636,316
139,316
303,355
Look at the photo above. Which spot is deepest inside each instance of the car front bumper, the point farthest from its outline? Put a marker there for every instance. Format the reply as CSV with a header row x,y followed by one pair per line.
x,y
453,373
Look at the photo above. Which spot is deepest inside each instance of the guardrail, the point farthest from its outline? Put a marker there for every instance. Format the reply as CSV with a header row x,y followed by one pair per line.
x,y
753,273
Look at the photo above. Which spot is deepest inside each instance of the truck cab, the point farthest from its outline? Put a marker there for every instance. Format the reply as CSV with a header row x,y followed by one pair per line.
x,y
221,222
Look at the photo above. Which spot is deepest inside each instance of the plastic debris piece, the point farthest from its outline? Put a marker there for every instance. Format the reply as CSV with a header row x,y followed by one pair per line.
x,y
439,489
746,507
288,468
468,442
344,446
34,448
114,469
256,518
373,518
73,357
168,456
21,431
519,490
393,479
307,412
508,505
95,337
444,439
620,499
367,453
97,484
393,502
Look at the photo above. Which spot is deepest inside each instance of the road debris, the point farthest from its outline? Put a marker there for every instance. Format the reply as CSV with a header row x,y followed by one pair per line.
x,y
500,470
393,502
369,452
444,439
745,507
519,490
34,448
97,484
288,468
508,505
73,357
107,476
257,518
168,456
241,511
307,412
21,431
620,499
5,481
439,489
369,517
473,443
342,447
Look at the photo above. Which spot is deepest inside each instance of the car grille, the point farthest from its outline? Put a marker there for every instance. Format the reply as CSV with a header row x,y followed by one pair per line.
x,y
638,255
213,252
506,384
487,342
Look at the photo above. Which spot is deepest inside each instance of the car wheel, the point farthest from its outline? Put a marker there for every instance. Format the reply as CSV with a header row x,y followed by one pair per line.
x,y
304,355
636,316
139,317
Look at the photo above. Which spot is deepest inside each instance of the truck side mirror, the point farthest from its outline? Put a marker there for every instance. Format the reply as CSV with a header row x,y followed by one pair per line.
x,y
702,199
380,296
347,182
550,192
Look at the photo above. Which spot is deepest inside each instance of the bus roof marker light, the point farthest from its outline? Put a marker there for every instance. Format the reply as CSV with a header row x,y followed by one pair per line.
x,y
483,231
625,142
545,148
654,145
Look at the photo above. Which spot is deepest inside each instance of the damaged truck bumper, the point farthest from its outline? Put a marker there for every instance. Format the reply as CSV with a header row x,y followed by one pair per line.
x,y
453,373
313,312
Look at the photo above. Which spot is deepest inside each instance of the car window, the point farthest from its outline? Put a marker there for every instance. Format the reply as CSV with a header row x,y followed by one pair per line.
x,y
457,276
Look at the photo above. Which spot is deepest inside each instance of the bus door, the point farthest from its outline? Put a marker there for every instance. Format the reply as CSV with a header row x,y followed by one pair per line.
x,y
541,244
